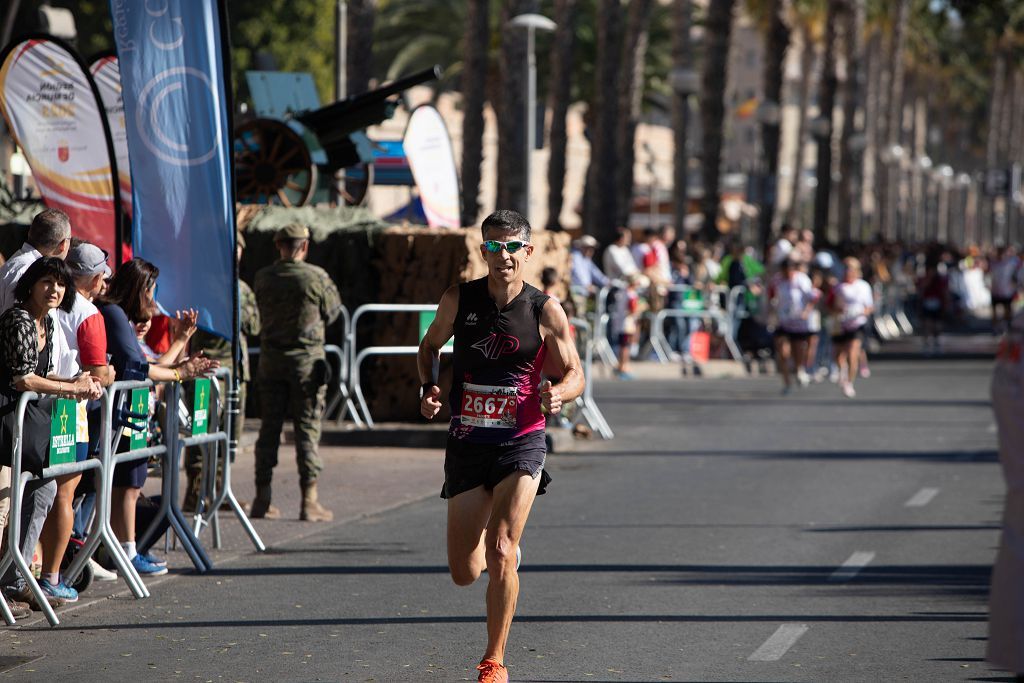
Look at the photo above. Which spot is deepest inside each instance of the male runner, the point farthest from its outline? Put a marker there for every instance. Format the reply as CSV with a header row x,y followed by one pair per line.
x,y
506,332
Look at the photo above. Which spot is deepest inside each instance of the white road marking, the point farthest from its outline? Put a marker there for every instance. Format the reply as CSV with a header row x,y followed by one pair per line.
x,y
852,566
921,498
779,643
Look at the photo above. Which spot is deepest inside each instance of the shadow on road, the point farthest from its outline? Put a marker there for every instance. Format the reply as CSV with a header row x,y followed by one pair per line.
x,y
978,456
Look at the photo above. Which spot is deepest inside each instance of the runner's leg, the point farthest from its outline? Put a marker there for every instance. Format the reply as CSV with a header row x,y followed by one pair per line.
x,y
467,518
512,500
853,356
782,357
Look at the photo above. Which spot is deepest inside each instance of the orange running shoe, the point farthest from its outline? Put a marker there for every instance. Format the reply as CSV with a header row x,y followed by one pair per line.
x,y
492,672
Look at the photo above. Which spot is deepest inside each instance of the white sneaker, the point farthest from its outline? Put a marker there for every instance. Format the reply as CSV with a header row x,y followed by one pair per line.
x,y
101,574
802,377
833,375
848,390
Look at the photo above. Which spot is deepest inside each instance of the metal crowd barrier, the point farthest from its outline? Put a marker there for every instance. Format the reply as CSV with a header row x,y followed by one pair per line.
x,y
359,355
104,465
727,319
588,406
890,317
600,324
218,450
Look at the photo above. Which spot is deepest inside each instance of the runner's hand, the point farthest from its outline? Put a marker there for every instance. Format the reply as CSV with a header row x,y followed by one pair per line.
x,y
550,398
430,404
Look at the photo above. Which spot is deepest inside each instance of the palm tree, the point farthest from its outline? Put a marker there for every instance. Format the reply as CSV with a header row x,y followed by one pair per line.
x,y
849,148
631,82
826,102
717,31
359,57
807,17
776,45
559,98
472,83
511,117
601,191
901,15
682,68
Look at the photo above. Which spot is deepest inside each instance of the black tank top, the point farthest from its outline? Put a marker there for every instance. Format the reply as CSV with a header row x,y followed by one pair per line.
x,y
498,357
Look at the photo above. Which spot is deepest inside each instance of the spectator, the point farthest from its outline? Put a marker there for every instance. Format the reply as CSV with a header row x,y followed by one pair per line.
x,y
585,273
625,321
783,246
933,293
129,297
48,235
618,259
27,359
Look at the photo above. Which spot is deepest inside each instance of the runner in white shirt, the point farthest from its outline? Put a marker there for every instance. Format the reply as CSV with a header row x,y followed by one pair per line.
x,y
793,297
852,301
1004,272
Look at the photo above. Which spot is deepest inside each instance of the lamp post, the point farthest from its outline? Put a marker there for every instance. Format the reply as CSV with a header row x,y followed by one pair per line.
x,y
532,23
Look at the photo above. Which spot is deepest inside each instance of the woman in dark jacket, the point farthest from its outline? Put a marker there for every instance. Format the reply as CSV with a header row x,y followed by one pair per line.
x,y
130,297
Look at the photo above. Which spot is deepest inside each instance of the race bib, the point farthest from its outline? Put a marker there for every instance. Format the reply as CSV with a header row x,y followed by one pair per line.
x,y
487,406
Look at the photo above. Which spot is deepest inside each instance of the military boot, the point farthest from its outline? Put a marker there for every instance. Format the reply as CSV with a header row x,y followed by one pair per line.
x,y
312,510
261,507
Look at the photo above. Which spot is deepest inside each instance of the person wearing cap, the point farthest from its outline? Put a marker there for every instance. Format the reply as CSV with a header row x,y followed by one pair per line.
x,y
585,273
85,352
219,349
297,301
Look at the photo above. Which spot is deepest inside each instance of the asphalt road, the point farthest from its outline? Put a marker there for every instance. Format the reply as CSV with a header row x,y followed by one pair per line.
x,y
725,534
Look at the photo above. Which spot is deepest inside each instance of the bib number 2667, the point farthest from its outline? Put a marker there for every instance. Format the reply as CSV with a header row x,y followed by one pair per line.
x,y
488,406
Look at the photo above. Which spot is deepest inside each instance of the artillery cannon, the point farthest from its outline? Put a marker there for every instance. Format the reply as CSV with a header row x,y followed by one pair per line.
x,y
281,161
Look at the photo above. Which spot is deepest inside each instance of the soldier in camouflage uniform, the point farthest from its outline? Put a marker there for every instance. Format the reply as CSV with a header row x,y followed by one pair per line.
x,y
297,301
219,348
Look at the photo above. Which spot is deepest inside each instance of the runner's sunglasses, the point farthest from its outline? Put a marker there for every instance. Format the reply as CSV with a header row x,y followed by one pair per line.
x,y
494,246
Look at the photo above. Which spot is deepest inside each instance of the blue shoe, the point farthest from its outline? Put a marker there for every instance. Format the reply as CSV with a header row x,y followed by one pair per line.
x,y
152,559
61,591
145,568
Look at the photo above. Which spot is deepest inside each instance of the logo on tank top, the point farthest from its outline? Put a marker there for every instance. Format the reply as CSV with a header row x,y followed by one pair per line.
x,y
471,319
497,345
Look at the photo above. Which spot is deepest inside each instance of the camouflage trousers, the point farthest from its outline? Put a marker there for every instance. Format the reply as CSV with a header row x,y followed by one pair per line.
x,y
299,393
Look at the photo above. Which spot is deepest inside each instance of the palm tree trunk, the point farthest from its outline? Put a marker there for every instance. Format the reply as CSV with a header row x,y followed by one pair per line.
x,y
850,157
560,94
827,101
987,221
362,15
473,84
774,64
804,97
511,113
878,89
717,32
631,90
895,127
601,195
682,68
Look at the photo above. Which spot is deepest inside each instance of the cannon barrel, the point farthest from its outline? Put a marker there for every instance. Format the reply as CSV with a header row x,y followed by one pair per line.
x,y
362,110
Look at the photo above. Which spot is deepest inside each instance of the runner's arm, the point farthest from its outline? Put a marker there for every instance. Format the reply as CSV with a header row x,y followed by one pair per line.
x,y
561,349
428,358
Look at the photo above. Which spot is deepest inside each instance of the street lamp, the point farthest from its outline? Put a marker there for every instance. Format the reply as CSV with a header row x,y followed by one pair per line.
x,y
532,23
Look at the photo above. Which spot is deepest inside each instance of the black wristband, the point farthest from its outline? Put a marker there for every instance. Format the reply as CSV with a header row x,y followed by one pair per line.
x,y
425,387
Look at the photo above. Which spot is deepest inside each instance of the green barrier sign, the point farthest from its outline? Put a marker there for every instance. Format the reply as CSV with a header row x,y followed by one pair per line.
x,y
140,404
427,317
201,408
693,300
63,427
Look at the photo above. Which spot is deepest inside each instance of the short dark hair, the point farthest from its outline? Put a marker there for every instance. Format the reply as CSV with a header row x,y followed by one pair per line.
x,y
40,268
49,228
129,283
507,220
548,276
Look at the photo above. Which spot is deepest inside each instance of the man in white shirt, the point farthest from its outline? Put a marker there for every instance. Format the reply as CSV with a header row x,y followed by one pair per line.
x,y
48,235
618,260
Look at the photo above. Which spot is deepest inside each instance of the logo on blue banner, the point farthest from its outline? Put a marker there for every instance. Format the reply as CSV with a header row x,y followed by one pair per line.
x,y
178,127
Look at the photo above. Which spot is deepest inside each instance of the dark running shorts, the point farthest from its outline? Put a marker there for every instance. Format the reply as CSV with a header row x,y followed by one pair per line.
x,y
794,336
1002,300
131,474
849,336
468,465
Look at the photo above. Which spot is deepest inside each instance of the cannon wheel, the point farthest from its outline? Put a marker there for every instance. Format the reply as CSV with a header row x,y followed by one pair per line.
x,y
356,183
272,164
